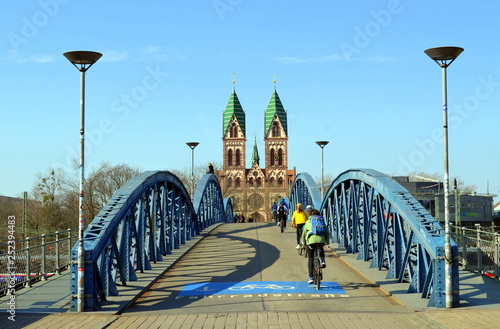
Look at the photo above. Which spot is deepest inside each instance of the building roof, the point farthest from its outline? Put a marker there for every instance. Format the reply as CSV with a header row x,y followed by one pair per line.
x,y
275,107
233,108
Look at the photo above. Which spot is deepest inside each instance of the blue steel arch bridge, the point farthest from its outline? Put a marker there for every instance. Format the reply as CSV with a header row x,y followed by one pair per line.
x,y
368,213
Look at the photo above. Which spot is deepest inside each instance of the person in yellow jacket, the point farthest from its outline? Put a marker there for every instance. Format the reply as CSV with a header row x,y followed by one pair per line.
x,y
299,218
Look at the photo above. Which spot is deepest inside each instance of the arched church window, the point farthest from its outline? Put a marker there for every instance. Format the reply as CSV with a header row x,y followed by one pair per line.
x,y
238,158
238,182
233,131
280,157
230,157
280,181
250,181
273,154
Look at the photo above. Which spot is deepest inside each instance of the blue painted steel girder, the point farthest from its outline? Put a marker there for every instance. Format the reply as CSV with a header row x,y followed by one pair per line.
x,y
371,214
147,218
304,191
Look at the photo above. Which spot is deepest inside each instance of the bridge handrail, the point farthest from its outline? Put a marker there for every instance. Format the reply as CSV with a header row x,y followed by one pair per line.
x,y
478,250
33,259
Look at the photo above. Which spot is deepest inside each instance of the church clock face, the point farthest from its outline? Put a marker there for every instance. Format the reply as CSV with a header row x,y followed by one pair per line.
x,y
255,201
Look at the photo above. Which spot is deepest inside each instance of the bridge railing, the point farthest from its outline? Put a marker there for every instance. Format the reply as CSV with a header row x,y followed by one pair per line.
x,y
370,214
478,250
146,219
30,260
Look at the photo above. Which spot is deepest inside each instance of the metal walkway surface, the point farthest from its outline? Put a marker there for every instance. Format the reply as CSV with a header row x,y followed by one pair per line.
x,y
251,268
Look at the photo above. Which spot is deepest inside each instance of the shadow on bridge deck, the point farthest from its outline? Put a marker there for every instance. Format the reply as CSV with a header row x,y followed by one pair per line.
x,y
33,304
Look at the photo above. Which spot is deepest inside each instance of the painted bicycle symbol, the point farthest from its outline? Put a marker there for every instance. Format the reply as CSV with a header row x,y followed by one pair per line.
x,y
262,286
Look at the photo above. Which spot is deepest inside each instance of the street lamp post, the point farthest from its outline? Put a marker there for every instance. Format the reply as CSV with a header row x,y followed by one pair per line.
x,y
82,60
322,144
192,145
444,56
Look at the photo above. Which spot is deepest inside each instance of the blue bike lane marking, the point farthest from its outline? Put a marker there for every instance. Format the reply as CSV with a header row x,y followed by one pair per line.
x,y
259,287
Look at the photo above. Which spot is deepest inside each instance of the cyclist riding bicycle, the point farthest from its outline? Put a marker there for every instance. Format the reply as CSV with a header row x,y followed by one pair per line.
x,y
312,241
282,213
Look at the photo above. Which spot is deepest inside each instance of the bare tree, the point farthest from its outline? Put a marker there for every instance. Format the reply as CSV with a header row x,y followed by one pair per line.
x,y
103,182
47,212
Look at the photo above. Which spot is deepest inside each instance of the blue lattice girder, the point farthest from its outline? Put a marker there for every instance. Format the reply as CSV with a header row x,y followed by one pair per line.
x,y
304,191
371,214
147,218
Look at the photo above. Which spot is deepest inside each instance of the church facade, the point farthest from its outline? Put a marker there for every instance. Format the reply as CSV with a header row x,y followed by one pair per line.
x,y
253,190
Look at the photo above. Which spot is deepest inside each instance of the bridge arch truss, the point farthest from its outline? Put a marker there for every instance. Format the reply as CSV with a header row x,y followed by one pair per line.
x,y
370,214
146,219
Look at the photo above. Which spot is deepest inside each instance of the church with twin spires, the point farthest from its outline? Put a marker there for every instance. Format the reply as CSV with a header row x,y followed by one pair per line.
x,y
253,190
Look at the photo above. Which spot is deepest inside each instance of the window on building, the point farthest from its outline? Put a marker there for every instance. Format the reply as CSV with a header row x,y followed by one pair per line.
x,y
233,130
230,157
238,158
280,157
276,129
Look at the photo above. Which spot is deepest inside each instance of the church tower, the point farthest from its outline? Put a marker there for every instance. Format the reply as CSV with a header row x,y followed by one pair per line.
x,y
276,141
234,142
254,190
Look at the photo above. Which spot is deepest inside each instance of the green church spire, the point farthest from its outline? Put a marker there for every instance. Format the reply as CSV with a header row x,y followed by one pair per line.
x,y
233,108
275,107
255,153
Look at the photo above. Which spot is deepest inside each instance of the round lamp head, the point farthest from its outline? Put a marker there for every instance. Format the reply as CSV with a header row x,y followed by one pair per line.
x,y
82,60
322,143
444,56
192,145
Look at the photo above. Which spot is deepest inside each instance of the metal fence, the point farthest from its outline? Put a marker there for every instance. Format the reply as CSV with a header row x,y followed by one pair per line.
x,y
27,261
478,250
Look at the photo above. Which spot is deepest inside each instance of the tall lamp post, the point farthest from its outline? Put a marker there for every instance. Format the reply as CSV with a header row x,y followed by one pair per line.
x,y
82,60
444,56
322,144
192,145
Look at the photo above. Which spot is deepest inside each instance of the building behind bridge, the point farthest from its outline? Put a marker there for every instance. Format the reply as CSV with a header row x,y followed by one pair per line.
x,y
253,190
473,208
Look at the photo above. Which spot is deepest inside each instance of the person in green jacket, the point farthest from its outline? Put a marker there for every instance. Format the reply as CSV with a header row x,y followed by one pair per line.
x,y
311,240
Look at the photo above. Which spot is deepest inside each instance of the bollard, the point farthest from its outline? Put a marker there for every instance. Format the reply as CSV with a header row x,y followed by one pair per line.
x,y
27,277
43,256
58,267
478,246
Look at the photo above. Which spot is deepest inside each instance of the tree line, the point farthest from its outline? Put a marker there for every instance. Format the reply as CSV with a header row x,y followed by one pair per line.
x,y
52,204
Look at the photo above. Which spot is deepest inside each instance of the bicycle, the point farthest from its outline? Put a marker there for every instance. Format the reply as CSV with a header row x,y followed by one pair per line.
x,y
317,266
282,219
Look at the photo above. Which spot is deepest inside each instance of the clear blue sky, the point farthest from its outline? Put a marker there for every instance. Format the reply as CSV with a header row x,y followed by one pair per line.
x,y
351,72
